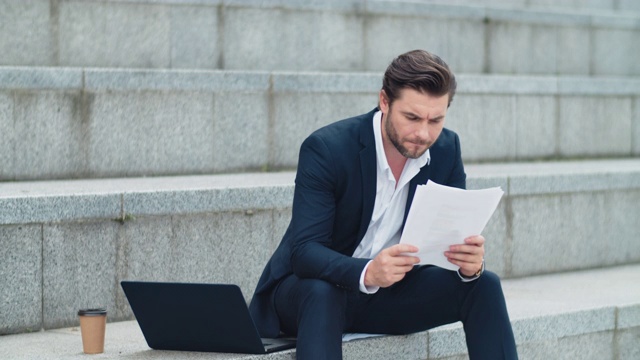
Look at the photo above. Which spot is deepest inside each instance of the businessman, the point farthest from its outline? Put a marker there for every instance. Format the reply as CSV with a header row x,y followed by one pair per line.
x,y
340,268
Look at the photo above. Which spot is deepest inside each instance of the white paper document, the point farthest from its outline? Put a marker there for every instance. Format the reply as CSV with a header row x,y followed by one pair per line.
x,y
355,336
441,216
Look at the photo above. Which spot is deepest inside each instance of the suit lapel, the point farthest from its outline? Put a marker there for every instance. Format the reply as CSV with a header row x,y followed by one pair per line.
x,y
419,179
368,172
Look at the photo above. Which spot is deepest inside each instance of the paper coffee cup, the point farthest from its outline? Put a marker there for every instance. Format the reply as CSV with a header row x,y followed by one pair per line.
x,y
92,327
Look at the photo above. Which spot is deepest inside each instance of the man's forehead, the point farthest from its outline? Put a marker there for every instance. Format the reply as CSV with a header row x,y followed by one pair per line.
x,y
411,100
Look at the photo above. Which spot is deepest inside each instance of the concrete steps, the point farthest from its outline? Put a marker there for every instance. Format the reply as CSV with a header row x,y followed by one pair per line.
x,y
109,92
592,314
298,35
616,6
58,123
67,244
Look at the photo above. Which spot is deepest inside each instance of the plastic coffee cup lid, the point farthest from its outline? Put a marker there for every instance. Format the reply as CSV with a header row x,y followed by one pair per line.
x,y
92,312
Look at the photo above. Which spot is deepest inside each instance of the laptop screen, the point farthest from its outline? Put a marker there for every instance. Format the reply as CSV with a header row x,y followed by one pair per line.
x,y
193,317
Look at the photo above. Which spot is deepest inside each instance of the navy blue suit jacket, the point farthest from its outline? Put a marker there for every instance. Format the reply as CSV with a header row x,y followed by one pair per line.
x,y
335,190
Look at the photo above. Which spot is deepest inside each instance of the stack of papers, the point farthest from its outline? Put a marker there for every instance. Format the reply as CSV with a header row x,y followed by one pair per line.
x,y
441,216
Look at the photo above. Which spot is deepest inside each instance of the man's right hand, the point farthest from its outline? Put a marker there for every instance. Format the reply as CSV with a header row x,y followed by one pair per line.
x,y
390,265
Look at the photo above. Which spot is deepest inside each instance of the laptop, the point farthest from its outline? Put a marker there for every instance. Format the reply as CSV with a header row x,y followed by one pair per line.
x,y
197,317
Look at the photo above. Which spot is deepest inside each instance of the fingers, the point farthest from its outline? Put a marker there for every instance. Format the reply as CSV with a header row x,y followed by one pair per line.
x,y
467,266
390,265
398,255
472,245
467,256
477,240
465,252
463,257
387,276
400,260
466,262
399,249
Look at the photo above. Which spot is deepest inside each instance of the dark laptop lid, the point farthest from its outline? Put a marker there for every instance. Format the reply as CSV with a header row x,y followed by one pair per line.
x,y
193,317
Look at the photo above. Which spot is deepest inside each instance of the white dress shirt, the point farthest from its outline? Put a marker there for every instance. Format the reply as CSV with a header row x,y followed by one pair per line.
x,y
391,200
388,210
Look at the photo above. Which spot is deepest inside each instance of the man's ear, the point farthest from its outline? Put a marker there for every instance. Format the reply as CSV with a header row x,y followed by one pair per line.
x,y
383,102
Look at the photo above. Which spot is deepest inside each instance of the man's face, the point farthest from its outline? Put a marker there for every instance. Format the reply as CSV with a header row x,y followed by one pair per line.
x,y
413,122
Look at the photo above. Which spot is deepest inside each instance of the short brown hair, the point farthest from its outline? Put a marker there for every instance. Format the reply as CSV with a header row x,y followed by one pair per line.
x,y
419,70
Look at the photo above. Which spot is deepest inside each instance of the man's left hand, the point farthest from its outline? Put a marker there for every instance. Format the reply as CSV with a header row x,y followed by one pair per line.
x,y
468,255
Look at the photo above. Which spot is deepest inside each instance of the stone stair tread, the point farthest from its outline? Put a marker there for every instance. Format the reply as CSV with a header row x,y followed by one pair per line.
x,y
265,179
100,78
55,200
544,307
143,184
557,293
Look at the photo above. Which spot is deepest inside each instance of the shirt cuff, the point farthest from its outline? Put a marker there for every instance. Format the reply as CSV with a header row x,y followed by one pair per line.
x,y
473,278
367,289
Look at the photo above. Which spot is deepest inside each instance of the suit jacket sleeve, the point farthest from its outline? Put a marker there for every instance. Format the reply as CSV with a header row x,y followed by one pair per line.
x,y
312,227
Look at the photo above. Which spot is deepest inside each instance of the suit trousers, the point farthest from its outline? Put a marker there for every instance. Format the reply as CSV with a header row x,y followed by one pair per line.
x,y
318,312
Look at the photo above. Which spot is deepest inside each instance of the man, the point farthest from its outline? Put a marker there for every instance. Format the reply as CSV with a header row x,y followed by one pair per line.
x,y
339,267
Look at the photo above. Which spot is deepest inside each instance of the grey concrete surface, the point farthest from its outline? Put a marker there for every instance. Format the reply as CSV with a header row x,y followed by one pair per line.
x,y
111,123
298,115
150,133
195,25
586,131
275,38
469,115
636,127
51,133
629,5
54,201
66,244
96,80
113,34
77,268
627,343
535,123
241,132
20,278
460,39
27,37
617,45
499,37
238,192
580,225
563,316
7,135
24,78
197,227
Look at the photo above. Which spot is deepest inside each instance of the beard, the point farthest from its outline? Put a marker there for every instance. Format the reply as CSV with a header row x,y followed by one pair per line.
x,y
393,136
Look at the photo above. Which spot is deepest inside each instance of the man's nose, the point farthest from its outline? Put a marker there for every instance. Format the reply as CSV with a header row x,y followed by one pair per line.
x,y
422,133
